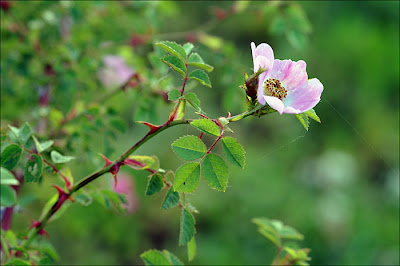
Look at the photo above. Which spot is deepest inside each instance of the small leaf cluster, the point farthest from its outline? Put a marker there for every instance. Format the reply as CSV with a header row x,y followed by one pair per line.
x,y
278,234
303,118
156,257
209,165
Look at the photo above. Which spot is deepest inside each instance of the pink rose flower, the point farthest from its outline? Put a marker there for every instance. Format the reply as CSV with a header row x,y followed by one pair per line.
x,y
115,72
284,85
125,185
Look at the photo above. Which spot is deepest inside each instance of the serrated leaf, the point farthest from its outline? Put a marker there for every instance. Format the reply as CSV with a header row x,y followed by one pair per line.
x,y
41,146
154,185
57,157
171,199
172,258
189,148
187,177
33,169
234,151
23,133
303,118
188,48
174,95
7,178
207,126
187,227
176,63
173,48
10,156
215,172
8,196
143,162
155,257
191,246
313,115
196,61
193,101
200,76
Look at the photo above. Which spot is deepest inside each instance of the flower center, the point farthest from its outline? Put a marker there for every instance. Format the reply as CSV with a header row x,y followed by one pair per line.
x,y
273,87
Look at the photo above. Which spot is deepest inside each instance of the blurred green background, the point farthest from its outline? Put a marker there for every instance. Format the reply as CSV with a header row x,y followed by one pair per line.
x,y
338,183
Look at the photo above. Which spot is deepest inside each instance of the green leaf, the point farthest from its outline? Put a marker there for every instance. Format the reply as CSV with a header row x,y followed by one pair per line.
x,y
172,258
10,156
23,133
296,38
154,185
270,229
118,124
173,48
33,169
8,196
197,61
303,118
174,95
155,257
188,48
215,172
83,199
42,146
143,162
187,177
113,199
313,115
200,76
207,126
191,246
171,199
7,178
193,101
289,232
187,227
176,63
189,148
234,151
298,18
57,157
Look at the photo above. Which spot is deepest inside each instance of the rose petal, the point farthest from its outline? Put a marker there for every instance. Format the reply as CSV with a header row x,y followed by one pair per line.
x,y
305,97
275,103
291,74
261,50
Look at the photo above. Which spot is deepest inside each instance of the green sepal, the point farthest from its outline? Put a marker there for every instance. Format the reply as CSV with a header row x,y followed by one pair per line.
x,y
313,115
303,118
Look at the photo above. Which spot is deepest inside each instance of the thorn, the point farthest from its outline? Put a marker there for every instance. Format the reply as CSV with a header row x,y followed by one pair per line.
x,y
153,128
60,190
106,160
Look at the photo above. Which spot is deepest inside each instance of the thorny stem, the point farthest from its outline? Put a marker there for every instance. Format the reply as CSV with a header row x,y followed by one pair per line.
x,y
42,223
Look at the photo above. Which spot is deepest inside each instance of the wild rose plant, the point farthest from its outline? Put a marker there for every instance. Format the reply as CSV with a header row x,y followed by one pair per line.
x,y
276,85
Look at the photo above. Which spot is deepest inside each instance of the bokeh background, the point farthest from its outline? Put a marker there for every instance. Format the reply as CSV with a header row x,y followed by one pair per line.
x,y
338,183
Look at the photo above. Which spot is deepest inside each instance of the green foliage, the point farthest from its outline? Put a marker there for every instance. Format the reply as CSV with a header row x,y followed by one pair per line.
x,y
110,199
7,178
187,230
313,115
176,63
22,134
57,157
207,126
42,146
200,76
8,196
303,118
192,99
171,199
10,156
187,177
155,184
16,261
174,49
196,60
155,257
188,47
33,169
234,151
189,148
174,95
191,245
215,172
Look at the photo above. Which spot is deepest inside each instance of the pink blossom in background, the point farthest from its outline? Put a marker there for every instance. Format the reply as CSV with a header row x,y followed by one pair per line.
x,y
115,72
284,85
126,186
